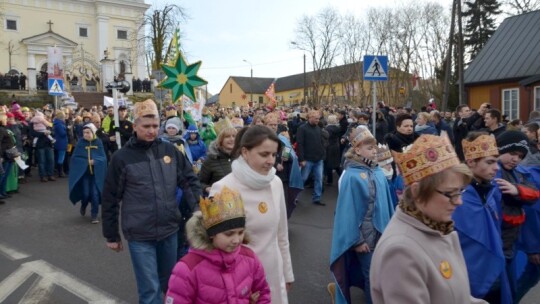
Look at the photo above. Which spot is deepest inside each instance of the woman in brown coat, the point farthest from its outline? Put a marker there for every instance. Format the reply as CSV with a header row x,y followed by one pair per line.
x,y
418,258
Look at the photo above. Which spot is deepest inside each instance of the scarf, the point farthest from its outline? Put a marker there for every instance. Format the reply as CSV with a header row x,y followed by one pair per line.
x,y
243,172
444,228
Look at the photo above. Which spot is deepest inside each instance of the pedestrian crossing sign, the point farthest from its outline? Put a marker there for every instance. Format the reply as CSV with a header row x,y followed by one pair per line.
x,y
56,87
375,68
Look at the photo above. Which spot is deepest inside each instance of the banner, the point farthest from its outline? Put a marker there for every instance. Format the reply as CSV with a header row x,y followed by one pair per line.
x,y
55,63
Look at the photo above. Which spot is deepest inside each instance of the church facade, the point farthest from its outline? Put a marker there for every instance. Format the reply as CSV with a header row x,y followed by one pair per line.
x,y
87,31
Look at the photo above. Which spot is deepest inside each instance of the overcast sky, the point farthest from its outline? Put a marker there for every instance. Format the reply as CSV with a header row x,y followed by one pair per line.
x,y
222,34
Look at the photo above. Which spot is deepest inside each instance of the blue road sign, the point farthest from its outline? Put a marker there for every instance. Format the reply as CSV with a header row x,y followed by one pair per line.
x,y
56,87
375,68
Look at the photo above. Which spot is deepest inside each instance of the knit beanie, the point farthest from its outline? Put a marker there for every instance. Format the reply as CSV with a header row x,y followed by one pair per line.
x,y
90,126
511,141
192,129
174,122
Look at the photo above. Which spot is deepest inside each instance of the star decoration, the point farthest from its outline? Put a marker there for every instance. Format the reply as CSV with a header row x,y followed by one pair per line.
x,y
182,78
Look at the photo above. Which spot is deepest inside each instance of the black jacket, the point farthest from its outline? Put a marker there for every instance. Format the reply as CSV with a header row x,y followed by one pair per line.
x,y
215,167
397,141
310,143
141,181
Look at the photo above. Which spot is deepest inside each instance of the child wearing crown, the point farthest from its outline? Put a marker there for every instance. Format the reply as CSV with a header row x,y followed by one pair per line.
x,y
364,208
218,267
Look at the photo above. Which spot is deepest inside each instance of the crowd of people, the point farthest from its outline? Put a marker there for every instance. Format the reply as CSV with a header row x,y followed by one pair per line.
x,y
435,207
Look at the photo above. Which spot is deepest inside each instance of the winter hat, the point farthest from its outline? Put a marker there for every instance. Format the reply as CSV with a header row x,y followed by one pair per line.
x,y
192,129
90,126
15,107
511,141
174,122
224,211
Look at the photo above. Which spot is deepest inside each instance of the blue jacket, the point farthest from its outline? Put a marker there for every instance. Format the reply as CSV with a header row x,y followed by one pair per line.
x,y
60,134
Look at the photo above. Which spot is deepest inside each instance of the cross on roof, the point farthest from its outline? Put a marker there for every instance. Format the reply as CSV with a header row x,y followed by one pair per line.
x,y
50,23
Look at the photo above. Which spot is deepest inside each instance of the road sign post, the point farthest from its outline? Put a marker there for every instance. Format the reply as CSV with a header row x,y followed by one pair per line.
x,y
375,69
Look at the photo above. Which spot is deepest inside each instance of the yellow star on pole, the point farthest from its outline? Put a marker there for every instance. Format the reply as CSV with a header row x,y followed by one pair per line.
x,y
182,78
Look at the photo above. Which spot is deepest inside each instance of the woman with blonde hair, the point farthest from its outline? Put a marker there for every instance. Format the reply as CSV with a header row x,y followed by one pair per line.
x,y
218,161
418,258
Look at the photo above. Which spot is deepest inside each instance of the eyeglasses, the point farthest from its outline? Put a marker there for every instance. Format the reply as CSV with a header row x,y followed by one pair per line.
x,y
451,196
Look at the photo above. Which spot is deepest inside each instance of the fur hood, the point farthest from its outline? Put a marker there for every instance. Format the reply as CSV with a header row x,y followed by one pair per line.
x,y
214,152
197,236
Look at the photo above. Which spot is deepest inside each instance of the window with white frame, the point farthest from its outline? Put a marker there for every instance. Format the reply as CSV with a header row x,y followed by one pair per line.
x,y
537,98
11,24
121,34
510,103
83,31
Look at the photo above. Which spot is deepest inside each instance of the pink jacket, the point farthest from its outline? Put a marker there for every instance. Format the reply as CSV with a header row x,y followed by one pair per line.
x,y
218,277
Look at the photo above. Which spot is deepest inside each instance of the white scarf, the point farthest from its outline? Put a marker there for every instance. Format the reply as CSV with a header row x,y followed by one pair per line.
x,y
243,172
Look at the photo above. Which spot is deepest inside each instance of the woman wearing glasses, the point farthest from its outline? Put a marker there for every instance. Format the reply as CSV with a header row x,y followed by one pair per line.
x,y
418,258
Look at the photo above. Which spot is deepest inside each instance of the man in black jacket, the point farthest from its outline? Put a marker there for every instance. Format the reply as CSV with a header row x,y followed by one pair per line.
x,y
141,181
311,153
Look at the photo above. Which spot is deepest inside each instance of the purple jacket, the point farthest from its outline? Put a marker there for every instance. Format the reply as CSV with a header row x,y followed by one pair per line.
x,y
218,277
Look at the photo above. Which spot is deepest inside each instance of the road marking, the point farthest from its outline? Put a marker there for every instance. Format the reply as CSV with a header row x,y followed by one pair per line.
x,y
41,289
49,277
12,253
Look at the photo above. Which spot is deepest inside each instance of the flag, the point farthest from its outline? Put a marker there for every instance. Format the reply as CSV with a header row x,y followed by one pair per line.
x,y
271,94
174,47
415,81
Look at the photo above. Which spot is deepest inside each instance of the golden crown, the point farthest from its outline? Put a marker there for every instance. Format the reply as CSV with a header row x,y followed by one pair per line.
x,y
360,134
223,206
384,156
482,146
428,155
145,108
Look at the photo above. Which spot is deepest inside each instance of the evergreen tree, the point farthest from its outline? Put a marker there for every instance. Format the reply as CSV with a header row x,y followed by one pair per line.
x,y
480,16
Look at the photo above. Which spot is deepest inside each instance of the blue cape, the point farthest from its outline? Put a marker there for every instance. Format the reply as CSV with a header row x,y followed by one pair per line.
x,y
478,226
529,240
295,177
350,212
79,166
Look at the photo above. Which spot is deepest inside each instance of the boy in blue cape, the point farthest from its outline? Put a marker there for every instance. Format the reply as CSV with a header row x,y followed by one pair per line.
x,y
88,168
364,208
478,222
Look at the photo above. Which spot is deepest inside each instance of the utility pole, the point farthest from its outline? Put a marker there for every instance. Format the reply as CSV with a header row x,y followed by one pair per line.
x,y
305,83
251,80
446,92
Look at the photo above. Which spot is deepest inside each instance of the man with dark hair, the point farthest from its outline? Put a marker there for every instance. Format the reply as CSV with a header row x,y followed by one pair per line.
x,y
404,134
464,123
492,119
534,116
141,184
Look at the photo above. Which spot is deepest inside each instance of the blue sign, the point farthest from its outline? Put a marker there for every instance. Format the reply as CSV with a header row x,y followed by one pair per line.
x,y
375,68
56,87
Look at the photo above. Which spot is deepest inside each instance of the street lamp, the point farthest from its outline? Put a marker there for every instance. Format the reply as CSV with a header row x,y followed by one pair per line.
x,y
305,87
251,80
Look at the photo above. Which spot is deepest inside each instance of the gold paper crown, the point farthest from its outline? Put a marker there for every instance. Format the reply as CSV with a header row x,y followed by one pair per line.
x,y
384,156
147,107
428,155
223,206
360,134
482,146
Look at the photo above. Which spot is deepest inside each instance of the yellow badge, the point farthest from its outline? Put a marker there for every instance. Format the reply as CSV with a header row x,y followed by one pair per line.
x,y
167,159
446,269
363,175
263,207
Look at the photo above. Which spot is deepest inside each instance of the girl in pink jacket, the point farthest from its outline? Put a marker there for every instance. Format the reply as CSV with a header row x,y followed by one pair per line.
x,y
218,267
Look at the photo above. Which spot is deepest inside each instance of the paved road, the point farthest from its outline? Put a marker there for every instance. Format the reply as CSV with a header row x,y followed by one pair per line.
x,y
50,254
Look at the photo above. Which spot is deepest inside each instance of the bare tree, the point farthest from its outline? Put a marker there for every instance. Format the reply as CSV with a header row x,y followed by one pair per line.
x,y
162,23
12,49
319,37
518,7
